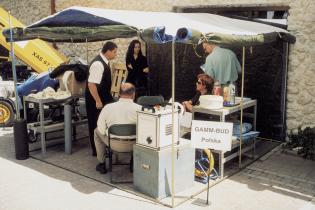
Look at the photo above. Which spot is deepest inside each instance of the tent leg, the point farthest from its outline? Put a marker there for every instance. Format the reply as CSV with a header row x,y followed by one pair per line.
x,y
241,118
173,120
14,70
87,50
285,56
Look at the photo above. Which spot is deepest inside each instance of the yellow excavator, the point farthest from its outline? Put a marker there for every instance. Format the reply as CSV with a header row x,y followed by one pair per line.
x,y
37,54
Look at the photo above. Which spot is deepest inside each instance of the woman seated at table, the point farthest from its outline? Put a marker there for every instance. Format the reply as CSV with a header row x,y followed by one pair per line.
x,y
204,86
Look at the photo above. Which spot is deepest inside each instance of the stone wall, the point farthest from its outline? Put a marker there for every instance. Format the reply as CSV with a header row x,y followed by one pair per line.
x,y
301,21
301,73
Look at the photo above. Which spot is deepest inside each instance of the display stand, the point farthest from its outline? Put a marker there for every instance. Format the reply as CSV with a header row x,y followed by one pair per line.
x,y
42,127
222,113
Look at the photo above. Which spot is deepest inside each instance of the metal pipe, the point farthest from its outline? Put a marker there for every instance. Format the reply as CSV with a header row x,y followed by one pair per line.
x,y
53,11
87,50
284,89
173,120
241,118
68,127
52,7
14,70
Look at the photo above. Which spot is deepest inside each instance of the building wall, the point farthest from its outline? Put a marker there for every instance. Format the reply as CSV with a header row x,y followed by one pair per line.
x,y
301,21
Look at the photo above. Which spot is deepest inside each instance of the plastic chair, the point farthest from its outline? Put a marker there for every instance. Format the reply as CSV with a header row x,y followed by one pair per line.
x,y
120,145
150,100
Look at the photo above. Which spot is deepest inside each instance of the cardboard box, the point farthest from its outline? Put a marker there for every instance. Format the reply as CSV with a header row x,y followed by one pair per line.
x,y
119,74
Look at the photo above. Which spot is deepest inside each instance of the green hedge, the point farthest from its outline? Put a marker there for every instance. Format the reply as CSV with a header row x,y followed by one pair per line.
x,y
304,140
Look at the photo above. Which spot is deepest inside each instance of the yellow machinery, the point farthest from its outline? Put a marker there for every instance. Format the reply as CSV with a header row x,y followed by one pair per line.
x,y
35,53
204,164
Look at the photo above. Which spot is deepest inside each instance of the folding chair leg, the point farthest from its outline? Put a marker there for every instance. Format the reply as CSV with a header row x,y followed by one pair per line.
x,y
105,155
105,166
131,164
116,158
110,164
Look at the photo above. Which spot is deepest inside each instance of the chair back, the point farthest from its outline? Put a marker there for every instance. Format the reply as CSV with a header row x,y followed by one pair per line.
x,y
122,130
119,146
150,100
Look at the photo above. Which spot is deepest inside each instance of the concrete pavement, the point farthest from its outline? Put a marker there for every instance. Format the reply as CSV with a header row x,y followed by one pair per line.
x,y
276,181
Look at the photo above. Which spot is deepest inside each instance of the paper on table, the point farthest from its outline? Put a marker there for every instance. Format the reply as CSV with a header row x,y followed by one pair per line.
x,y
185,119
238,99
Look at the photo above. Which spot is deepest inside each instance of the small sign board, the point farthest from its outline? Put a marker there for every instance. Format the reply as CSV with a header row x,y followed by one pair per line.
x,y
212,135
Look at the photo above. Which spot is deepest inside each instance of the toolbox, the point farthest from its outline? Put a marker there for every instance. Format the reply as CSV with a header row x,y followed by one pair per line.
x,y
152,174
154,127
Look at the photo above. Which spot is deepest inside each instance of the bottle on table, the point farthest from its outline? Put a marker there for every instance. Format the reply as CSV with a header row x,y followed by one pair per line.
x,y
229,94
232,93
226,95
217,89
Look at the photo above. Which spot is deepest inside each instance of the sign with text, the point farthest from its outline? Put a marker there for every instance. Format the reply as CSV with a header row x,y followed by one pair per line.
x,y
213,135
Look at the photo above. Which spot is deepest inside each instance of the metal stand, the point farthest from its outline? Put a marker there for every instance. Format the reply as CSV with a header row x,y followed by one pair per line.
x,y
43,127
208,189
222,113
68,128
208,185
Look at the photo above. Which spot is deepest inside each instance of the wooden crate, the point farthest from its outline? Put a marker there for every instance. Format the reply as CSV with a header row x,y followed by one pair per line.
x,y
119,72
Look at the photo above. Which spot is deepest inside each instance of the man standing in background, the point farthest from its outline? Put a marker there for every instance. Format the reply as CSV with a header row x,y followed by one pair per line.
x,y
98,87
221,64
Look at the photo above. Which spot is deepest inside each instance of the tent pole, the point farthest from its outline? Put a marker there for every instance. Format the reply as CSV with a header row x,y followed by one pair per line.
x,y
14,70
173,120
149,73
87,51
241,118
285,57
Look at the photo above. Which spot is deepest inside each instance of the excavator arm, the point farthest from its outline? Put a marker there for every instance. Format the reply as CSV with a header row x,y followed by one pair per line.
x,y
37,54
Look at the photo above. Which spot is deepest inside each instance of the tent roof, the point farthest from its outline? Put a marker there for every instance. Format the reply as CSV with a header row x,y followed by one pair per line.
x,y
80,24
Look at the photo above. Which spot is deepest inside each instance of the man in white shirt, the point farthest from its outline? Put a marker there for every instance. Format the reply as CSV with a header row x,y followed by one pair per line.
x,y
98,87
124,111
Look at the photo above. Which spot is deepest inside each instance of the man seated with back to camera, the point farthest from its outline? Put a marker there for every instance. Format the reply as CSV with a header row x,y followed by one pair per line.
x,y
204,86
124,111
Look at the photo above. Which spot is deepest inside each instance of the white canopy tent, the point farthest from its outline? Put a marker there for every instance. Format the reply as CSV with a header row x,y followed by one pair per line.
x,y
82,24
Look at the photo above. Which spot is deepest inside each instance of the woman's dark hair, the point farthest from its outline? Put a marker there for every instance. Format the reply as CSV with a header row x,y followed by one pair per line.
x,y
109,46
207,81
131,48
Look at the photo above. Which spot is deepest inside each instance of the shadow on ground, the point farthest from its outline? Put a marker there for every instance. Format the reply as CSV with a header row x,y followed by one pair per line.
x,y
281,173
277,172
57,170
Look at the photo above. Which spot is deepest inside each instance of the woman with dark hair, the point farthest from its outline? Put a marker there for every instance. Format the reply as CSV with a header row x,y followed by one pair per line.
x,y
204,86
137,65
